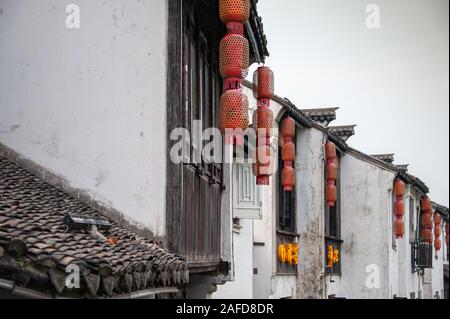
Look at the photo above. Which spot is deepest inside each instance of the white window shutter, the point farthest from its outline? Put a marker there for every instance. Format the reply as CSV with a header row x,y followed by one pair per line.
x,y
247,195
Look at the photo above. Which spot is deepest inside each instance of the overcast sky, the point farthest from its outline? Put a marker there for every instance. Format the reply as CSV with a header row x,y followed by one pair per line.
x,y
392,81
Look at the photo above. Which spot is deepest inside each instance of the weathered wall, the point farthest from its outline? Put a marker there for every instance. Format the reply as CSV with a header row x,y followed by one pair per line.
x,y
310,212
242,286
88,104
366,224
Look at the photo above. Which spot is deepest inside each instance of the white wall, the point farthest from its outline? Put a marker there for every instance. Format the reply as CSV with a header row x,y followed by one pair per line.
x,y
242,286
366,226
310,212
89,104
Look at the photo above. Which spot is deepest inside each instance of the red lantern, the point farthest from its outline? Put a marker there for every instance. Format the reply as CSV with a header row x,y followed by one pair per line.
x,y
427,220
330,150
262,165
437,244
399,208
399,187
234,58
288,152
331,172
288,178
234,10
331,195
437,231
263,121
263,83
446,233
288,128
233,114
399,228
437,218
427,235
426,204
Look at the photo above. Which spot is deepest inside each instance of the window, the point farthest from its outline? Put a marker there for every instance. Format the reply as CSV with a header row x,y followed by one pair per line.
x,y
201,91
333,227
247,198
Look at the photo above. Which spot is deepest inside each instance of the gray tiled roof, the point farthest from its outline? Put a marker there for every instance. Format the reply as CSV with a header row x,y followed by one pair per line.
x,y
35,247
344,132
323,116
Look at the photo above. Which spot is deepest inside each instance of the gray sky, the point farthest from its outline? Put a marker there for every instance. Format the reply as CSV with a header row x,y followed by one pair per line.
x,y
392,82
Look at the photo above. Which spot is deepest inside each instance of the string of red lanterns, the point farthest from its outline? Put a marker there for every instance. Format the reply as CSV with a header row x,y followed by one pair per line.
x,y
288,154
446,233
437,231
234,64
263,90
399,225
427,220
331,173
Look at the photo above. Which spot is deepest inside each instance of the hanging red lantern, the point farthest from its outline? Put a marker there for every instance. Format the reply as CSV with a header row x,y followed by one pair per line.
x,y
288,128
437,218
331,195
263,83
234,10
262,165
234,59
437,244
427,220
437,231
399,187
446,233
288,152
288,178
427,235
399,228
399,208
330,151
263,121
426,205
331,172
233,115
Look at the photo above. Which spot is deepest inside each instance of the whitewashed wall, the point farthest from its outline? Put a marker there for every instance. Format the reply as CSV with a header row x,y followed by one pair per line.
x,y
89,104
366,227
242,285
310,212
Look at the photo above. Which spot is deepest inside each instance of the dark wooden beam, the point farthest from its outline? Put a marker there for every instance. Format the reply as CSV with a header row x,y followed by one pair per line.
x,y
174,120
